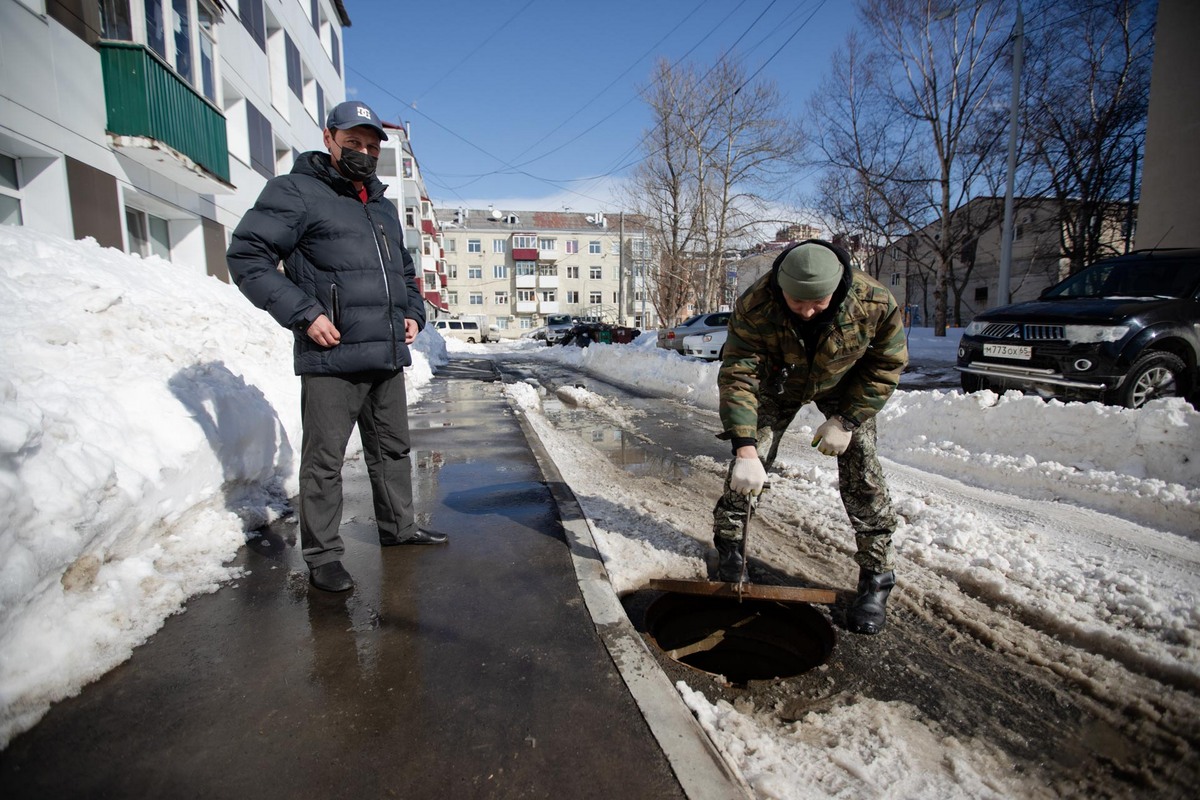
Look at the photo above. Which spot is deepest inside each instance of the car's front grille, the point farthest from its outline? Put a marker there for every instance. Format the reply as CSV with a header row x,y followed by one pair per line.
x,y
1031,333
1044,332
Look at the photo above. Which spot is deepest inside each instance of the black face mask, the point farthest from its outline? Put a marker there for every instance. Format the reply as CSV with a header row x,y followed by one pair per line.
x,y
357,166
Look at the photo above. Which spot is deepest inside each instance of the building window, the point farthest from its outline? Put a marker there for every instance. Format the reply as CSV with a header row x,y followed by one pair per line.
x,y
335,51
407,165
500,299
594,248
525,295
10,191
114,20
595,298
476,298
572,272
148,235
500,272
498,246
254,20
548,244
524,242
981,294
410,216
452,271
206,22
156,35
474,273
452,245
182,25
895,279
572,246
262,143
614,247
502,323
292,54
549,295
547,270
573,298
525,268
594,273
474,245
640,248
525,322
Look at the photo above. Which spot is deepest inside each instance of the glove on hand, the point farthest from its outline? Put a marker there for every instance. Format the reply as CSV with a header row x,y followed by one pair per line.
x,y
748,476
831,437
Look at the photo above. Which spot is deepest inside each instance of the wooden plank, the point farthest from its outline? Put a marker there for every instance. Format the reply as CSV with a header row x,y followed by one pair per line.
x,y
752,591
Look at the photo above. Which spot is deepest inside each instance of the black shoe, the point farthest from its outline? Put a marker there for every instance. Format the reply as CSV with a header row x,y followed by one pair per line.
x,y
729,559
420,537
869,610
331,577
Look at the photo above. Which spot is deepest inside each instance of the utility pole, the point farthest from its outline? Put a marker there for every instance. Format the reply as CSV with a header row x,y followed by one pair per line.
x,y
1006,233
621,277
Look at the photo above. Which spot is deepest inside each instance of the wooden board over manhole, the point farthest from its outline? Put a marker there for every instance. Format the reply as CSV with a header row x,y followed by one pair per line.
x,y
750,591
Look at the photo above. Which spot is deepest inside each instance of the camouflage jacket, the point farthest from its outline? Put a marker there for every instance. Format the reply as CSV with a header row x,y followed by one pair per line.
x,y
854,370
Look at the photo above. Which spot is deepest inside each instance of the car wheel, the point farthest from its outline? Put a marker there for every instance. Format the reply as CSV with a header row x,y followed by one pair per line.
x,y
972,383
1152,376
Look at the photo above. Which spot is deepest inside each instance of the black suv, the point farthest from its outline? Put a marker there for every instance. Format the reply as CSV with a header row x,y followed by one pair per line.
x,y
1125,330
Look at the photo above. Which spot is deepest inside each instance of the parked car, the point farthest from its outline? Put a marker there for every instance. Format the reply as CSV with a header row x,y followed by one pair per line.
x,y
672,338
557,326
466,330
1125,331
705,345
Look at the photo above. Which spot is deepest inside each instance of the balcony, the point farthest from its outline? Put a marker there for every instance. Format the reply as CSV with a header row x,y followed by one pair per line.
x,y
525,254
547,282
161,122
427,227
549,308
526,306
526,281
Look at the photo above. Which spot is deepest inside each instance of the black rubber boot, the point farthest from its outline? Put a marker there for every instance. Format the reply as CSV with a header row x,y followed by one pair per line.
x,y
869,609
331,577
729,559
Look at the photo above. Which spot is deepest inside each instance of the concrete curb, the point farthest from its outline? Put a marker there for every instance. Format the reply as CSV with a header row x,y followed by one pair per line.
x,y
699,767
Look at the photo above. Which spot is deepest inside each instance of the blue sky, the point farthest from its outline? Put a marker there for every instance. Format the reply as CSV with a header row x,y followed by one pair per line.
x,y
534,103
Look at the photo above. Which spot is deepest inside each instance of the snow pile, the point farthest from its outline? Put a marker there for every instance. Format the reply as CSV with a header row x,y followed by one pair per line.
x,y
150,416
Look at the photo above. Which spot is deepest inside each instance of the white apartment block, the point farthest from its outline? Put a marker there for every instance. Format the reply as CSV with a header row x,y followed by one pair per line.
x,y
152,125
513,269
400,172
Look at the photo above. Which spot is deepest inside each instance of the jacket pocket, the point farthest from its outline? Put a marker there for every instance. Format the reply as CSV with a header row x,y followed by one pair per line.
x,y
335,306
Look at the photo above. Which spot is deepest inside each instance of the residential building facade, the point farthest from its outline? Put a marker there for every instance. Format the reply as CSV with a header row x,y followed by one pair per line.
x,y
152,125
513,269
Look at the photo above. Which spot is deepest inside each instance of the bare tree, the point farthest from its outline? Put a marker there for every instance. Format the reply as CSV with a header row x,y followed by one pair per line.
x,y
716,143
1087,111
664,190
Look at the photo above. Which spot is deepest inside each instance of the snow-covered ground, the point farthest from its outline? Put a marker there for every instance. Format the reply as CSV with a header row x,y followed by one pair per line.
x,y
150,418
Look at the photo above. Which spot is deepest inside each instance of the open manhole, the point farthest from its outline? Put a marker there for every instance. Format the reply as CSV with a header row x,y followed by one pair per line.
x,y
741,641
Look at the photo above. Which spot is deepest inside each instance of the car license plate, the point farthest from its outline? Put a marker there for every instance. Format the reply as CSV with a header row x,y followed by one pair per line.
x,y
1018,351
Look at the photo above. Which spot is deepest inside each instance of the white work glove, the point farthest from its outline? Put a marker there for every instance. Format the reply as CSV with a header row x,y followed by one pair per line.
x,y
831,437
748,476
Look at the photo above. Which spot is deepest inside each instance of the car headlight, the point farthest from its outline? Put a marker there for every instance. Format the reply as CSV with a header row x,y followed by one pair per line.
x,y
976,328
1089,334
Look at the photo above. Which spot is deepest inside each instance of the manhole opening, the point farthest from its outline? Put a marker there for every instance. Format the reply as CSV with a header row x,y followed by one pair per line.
x,y
751,640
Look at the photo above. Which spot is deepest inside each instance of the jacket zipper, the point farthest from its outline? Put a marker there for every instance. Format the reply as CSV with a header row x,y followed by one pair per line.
x,y
383,269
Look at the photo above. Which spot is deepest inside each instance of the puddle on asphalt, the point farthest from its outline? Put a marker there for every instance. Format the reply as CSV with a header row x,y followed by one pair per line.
x,y
634,455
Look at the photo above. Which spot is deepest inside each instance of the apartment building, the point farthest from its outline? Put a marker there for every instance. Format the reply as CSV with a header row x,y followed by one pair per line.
x,y
513,269
908,266
152,125
400,172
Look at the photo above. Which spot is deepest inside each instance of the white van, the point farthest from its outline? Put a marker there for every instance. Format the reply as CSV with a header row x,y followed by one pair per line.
x,y
466,330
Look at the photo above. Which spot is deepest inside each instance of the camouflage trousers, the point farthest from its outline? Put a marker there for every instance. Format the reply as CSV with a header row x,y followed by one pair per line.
x,y
860,481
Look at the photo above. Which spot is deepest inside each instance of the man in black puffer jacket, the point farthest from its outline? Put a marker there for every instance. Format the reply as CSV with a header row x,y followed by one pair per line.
x,y
348,292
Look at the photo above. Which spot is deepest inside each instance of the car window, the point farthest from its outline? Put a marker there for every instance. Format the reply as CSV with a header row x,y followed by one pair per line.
x,y
471,326
1148,277
456,326
690,320
713,320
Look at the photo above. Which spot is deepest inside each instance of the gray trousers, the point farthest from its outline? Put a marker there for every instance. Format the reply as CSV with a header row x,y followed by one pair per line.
x,y
330,405
861,483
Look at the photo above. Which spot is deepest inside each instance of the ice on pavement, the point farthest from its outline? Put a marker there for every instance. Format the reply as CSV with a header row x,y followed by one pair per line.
x,y
150,418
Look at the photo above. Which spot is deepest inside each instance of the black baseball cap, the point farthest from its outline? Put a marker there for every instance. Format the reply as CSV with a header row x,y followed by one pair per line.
x,y
351,114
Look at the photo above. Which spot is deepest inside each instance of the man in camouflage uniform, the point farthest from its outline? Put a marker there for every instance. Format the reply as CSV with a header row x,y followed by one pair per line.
x,y
813,330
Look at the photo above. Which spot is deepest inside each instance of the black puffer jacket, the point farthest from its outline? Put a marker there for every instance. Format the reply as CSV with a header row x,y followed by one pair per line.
x,y
314,222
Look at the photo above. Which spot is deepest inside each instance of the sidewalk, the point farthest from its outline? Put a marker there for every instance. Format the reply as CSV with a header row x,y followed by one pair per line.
x,y
470,670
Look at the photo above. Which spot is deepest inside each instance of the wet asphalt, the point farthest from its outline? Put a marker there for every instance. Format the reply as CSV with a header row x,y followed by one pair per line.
x,y
468,670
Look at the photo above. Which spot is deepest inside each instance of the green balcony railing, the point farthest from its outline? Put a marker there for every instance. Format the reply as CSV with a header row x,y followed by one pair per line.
x,y
146,98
